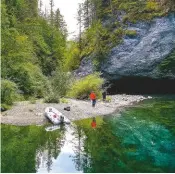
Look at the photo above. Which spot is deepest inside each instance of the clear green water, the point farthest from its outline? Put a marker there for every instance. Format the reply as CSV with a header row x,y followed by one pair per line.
x,y
140,139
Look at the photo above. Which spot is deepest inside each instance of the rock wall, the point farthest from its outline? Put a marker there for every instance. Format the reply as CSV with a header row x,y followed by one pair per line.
x,y
140,55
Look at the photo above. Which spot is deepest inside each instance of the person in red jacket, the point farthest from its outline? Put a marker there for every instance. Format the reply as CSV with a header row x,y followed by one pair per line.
x,y
93,98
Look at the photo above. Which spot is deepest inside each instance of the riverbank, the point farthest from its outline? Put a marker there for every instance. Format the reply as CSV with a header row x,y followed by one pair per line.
x,y
25,113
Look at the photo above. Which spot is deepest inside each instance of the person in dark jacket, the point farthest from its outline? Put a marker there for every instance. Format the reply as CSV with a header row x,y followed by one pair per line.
x,y
104,95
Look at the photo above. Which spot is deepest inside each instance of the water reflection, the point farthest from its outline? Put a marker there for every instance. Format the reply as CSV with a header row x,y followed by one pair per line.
x,y
140,140
145,148
62,162
50,150
93,123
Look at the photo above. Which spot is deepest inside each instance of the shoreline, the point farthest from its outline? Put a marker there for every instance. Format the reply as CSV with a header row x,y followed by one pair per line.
x,y
24,113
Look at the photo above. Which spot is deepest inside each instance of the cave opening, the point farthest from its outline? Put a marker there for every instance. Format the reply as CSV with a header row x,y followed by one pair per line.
x,y
136,85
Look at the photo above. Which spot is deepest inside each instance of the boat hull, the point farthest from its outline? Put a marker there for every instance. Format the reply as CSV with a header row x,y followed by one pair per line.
x,y
55,116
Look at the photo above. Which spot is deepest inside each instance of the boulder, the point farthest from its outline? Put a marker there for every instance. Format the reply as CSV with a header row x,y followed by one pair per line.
x,y
140,56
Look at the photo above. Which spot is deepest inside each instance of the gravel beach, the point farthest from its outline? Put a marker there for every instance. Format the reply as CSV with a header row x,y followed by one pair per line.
x,y
25,113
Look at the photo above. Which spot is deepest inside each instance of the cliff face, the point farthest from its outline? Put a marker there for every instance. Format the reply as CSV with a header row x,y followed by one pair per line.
x,y
142,54
139,55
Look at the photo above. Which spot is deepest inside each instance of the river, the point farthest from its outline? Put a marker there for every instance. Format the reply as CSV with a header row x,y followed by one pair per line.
x,y
139,139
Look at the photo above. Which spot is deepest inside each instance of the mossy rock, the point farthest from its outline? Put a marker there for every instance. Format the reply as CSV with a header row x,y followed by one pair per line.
x,y
131,33
168,64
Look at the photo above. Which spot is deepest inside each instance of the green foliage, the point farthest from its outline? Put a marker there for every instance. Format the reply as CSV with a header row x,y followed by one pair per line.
x,y
72,57
82,88
131,33
30,80
64,100
32,48
127,5
49,43
59,23
116,37
32,100
108,99
138,9
98,40
52,98
93,40
4,17
5,106
16,49
8,92
152,5
59,84
22,9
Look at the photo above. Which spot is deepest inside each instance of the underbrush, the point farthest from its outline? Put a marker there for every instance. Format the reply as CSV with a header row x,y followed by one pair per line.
x,y
83,87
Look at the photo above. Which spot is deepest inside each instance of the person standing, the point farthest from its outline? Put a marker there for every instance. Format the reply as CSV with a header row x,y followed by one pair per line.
x,y
93,98
104,95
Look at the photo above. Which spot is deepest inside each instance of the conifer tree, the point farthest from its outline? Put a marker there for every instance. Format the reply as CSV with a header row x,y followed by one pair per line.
x,y
60,23
86,14
80,22
51,12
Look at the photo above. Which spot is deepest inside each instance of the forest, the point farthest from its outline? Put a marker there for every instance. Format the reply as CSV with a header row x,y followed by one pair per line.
x,y
37,59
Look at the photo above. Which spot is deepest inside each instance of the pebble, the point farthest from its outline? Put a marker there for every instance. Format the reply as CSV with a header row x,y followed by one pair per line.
x,y
24,113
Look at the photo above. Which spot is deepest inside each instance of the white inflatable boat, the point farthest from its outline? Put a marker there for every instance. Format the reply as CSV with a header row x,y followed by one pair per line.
x,y
55,116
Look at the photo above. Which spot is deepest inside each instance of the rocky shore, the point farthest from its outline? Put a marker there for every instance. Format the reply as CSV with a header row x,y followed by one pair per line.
x,y
25,113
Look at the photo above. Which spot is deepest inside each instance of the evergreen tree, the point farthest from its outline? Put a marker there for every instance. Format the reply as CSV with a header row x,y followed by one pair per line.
x,y
32,48
86,14
32,8
51,12
80,22
46,13
59,23
40,8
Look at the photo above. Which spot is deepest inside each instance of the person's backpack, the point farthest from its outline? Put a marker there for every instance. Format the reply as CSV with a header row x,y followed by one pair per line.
x,y
67,108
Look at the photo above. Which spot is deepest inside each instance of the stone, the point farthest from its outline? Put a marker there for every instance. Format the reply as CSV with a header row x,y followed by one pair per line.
x,y
67,108
3,109
39,114
86,68
138,56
